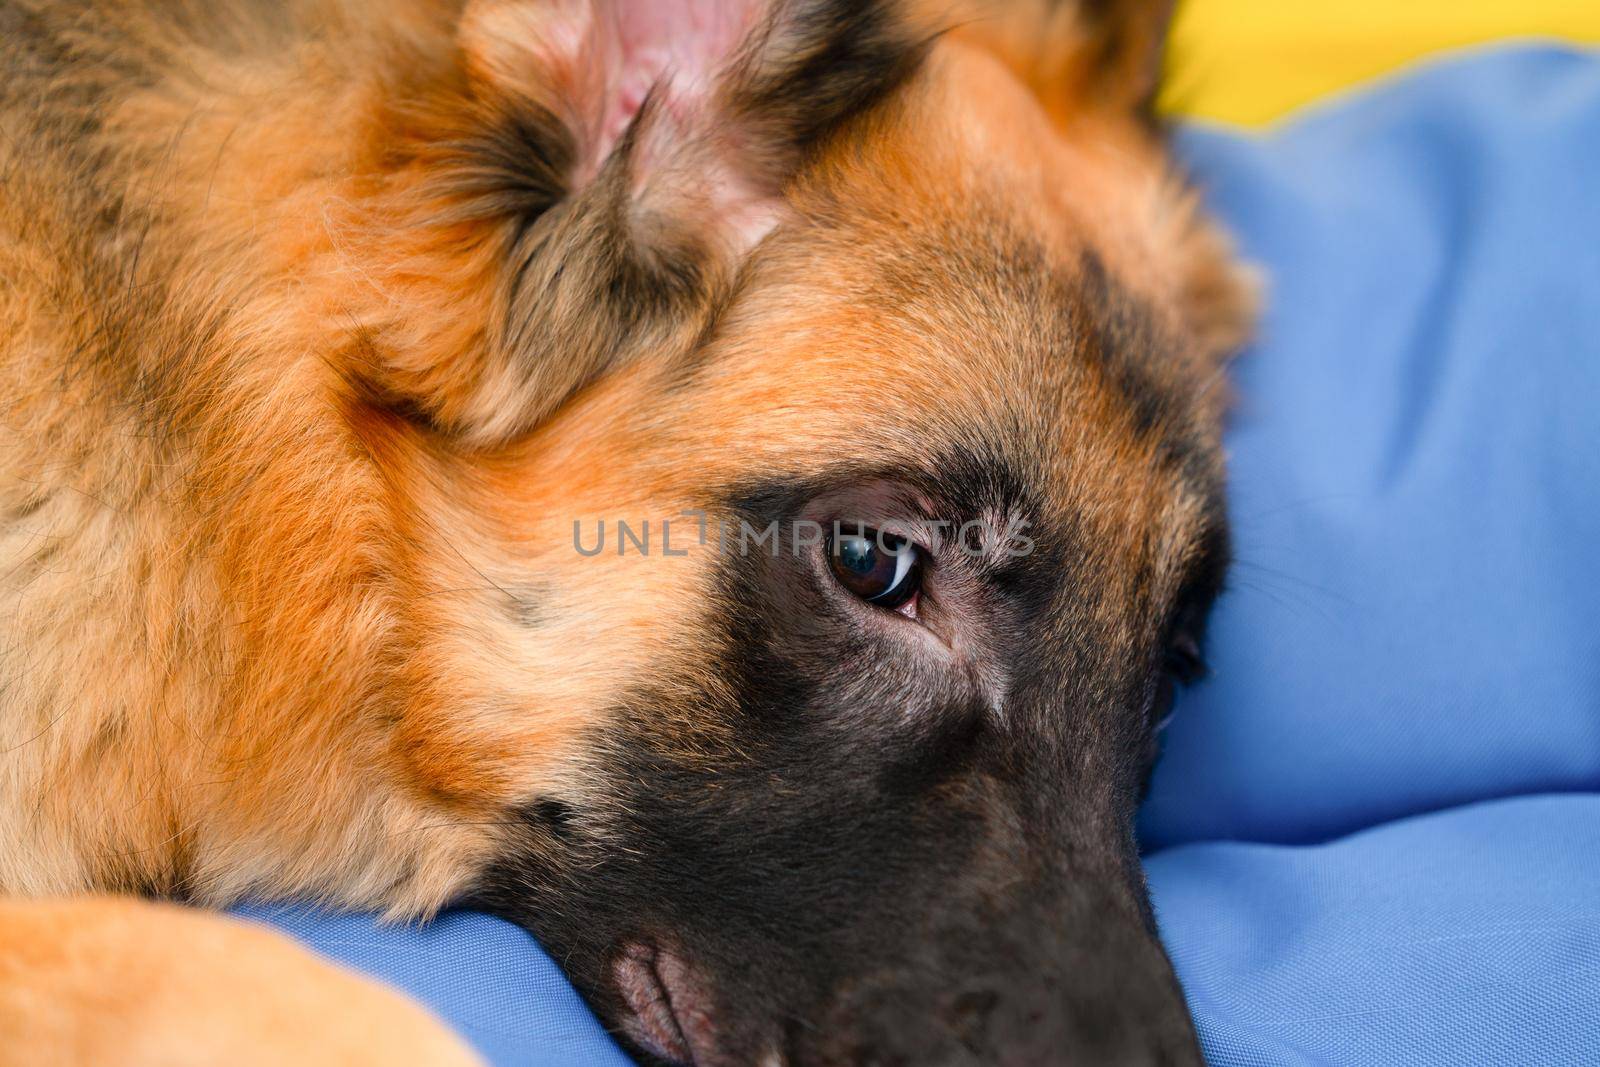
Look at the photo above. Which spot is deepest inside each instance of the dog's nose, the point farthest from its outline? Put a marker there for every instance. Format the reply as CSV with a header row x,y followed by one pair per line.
x,y
1111,1001
1028,994
1122,1023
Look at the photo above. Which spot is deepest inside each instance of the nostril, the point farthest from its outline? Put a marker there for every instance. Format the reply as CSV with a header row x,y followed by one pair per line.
x,y
969,1016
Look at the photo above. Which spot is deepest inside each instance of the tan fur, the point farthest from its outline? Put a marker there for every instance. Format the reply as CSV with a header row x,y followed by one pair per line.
x,y
258,635
254,652
100,982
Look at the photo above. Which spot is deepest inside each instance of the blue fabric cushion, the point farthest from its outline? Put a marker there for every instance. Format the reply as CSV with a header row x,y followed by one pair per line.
x,y
1469,936
1415,461
1410,628
484,976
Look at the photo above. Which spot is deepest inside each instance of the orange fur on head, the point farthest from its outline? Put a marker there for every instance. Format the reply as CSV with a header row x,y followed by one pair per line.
x,y
335,329
308,378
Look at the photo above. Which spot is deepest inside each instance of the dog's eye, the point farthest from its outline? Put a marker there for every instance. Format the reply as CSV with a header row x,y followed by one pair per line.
x,y
1184,661
1183,665
880,568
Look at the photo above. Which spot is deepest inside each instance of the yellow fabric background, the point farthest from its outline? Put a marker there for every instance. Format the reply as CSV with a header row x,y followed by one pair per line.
x,y
1250,61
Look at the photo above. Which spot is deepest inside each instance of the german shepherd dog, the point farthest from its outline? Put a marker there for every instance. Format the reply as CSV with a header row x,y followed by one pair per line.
x,y
728,485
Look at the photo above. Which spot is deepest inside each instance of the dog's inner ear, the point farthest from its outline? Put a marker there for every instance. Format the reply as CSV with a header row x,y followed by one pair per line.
x,y
643,85
641,150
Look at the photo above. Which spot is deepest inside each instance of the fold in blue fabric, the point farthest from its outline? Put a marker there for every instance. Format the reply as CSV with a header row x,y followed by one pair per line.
x,y
1375,836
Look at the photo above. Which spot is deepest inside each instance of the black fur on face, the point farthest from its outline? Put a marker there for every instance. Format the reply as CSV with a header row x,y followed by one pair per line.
x,y
850,850
856,836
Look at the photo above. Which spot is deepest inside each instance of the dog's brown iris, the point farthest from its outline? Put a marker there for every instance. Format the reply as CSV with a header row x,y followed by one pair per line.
x,y
880,568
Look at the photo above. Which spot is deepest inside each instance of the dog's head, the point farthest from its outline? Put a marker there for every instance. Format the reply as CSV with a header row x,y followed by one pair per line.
x,y
802,429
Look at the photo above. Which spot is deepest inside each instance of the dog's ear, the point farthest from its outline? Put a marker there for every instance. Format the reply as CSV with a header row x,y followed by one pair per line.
x,y
1101,61
1075,54
606,167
